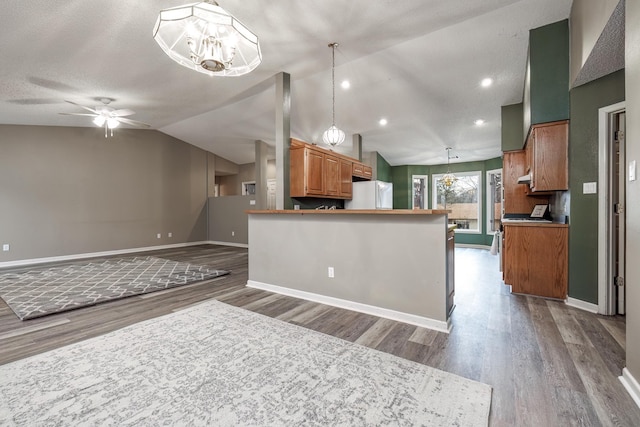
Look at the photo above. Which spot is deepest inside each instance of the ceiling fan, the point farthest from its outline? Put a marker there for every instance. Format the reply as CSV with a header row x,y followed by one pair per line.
x,y
107,117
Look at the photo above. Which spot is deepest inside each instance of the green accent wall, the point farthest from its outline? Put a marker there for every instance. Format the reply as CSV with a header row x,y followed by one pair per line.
x,y
383,169
549,78
402,189
511,127
583,167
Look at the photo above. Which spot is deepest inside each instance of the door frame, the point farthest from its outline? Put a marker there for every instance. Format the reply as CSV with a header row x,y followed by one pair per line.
x,y
489,208
607,303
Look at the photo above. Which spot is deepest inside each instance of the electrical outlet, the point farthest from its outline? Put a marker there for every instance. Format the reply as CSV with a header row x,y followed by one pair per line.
x,y
233,233
5,247
169,234
159,235
330,272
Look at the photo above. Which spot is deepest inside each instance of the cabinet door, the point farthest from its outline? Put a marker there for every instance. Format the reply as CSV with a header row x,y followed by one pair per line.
x,y
345,178
536,260
332,175
315,172
550,157
515,195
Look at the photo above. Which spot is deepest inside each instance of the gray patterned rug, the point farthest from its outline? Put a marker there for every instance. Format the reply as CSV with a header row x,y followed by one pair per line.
x,y
214,364
45,290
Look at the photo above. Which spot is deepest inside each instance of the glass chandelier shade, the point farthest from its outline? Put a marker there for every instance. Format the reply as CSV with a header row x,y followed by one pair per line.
x,y
333,136
206,38
448,179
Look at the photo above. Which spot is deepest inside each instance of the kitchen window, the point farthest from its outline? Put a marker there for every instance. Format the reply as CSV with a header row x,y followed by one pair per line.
x,y
420,189
463,198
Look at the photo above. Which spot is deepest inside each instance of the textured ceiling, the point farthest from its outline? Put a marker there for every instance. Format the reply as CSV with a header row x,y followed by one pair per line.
x,y
607,55
417,63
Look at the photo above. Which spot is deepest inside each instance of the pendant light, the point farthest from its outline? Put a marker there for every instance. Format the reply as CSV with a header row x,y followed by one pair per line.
x,y
333,136
206,38
448,179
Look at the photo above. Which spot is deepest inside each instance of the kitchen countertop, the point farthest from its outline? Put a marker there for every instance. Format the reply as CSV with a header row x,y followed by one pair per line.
x,y
351,212
534,224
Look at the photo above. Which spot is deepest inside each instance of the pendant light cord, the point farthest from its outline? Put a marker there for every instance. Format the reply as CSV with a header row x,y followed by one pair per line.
x,y
333,82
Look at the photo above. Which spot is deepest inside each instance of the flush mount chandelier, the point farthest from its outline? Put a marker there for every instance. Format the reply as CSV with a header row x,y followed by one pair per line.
x,y
448,179
333,136
206,38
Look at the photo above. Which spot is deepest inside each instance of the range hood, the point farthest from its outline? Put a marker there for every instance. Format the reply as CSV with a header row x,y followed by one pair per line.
x,y
525,179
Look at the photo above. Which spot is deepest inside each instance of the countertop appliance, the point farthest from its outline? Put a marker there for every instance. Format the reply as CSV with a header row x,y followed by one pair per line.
x,y
371,195
539,214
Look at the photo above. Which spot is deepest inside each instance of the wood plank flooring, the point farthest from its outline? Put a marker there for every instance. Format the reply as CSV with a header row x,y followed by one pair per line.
x,y
548,364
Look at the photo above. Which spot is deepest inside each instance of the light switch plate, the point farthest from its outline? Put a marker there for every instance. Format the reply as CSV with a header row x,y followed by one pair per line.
x,y
589,188
632,170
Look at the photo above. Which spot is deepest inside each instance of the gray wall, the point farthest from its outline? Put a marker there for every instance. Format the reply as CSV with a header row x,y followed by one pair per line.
x,y
632,71
396,262
228,221
67,191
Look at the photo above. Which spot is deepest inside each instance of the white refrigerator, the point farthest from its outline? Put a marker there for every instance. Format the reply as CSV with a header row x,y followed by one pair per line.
x,y
371,195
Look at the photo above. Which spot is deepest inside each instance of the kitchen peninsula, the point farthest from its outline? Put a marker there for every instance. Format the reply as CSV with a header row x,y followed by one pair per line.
x,y
396,264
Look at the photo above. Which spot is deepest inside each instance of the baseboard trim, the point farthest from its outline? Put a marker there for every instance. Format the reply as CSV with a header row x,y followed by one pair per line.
x,y
631,385
412,319
582,305
31,261
472,246
237,245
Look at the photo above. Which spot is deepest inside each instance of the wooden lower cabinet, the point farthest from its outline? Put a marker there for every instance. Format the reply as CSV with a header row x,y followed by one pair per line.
x,y
536,259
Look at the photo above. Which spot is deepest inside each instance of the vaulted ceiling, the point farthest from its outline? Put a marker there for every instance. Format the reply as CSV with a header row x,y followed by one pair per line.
x,y
417,63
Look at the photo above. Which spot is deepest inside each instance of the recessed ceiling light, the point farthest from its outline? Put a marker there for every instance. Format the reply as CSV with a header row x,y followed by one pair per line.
x,y
479,122
383,122
486,82
345,84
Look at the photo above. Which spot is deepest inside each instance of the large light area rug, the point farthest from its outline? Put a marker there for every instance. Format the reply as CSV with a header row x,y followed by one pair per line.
x,y
214,364
39,291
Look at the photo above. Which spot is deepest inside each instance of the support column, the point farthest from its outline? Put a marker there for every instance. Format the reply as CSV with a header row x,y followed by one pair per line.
x,y
261,148
283,139
357,146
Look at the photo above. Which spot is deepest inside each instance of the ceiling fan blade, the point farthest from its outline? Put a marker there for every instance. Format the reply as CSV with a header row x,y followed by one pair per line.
x,y
122,112
133,122
78,114
82,106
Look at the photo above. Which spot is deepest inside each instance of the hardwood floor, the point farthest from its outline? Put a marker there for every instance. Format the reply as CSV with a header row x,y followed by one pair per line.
x,y
548,364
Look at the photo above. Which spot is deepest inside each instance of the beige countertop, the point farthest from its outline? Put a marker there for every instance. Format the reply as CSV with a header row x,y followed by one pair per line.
x,y
351,212
535,224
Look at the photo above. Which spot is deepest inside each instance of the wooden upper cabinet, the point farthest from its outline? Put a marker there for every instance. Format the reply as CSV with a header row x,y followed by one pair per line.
x,y
316,172
360,170
547,149
331,175
516,200
306,173
345,178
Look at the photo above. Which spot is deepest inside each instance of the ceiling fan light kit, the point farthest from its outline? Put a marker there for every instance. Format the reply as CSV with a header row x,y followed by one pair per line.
x,y
107,117
206,38
333,136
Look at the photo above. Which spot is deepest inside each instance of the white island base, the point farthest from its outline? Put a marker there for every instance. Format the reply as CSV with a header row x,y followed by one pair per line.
x,y
387,263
